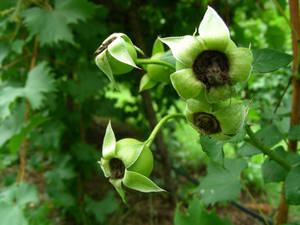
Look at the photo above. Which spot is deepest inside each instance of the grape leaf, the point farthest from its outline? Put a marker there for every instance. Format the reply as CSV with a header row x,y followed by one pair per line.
x,y
11,214
101,209
52,26
222,183
213,148
294,133
39,82
197,215
12,124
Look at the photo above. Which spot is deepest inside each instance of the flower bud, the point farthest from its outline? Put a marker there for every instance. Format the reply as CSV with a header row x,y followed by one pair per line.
x,y
116,55
127,162
221,121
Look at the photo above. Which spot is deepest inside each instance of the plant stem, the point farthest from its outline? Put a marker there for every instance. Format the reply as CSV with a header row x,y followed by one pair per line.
x,y
155,61
262,147
159,125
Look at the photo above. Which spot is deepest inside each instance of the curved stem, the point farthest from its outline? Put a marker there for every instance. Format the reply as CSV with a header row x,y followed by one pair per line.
x,y
159,125
262,147
155,61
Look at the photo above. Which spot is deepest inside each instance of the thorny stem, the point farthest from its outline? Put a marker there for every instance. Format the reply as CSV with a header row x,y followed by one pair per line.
x,y
262,147
155,61
159,125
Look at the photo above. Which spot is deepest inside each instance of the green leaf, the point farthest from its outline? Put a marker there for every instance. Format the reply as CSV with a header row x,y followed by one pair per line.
x,y
11,214
20,194
146,83
8,95
275,37
248,149
268,60
109,142
51,26
158,47
294,133
139,182
272,171
101,209
12,124
222,183
292,186
4,50
270,135
197,215
213,148
16,141
39,82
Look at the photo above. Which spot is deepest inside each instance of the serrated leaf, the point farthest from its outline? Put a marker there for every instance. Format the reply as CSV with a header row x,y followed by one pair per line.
x,y
222,183
51,26
268,60
213,148
8,94
11,214
292,186
101,209
39,82
272,171
197,215
16,141
146,83
248,149
12,124
294,133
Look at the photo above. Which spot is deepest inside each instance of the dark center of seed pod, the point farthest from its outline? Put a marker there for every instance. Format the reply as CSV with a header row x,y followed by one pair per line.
x,y
207,123
104,46
117,168
211,68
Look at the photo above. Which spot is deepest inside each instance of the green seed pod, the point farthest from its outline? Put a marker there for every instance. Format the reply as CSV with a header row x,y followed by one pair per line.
x,y
127,162
210,61
221,120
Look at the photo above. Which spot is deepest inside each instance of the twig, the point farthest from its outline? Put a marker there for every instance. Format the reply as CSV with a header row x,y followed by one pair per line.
x,y
282,95
25,143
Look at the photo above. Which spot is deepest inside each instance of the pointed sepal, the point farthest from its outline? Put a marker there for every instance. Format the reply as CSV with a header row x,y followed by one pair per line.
x,y
158,47
109,143
117,183
214,31
139,182
146,83
103,64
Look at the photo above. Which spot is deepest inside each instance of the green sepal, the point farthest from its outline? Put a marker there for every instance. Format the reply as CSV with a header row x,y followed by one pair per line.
x,y
158,47
139,182
109,143
214,31
103,64
104,164
159,73
220,93
185,49
240,60
117,183
185,83
119,50
146,83
231,119
130,153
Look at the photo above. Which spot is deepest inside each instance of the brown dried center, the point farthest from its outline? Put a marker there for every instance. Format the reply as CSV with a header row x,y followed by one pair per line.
x,y
104,46
207,123
117,168
211,68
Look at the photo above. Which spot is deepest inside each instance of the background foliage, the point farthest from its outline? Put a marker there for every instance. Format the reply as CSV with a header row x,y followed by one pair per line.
x,y
55,104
